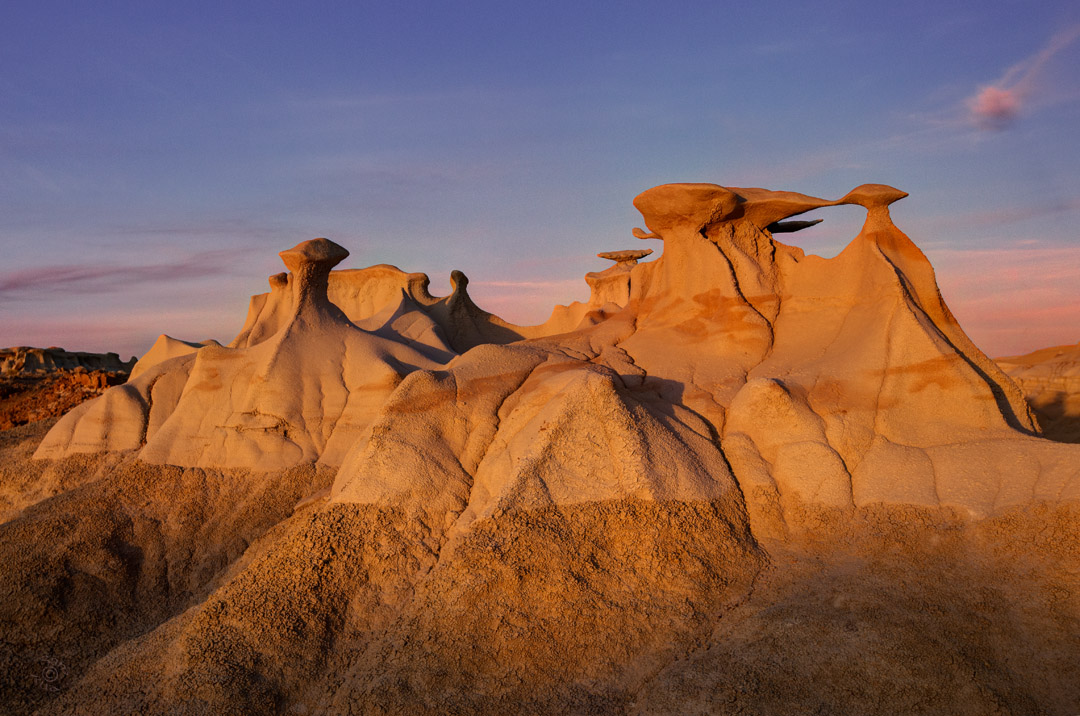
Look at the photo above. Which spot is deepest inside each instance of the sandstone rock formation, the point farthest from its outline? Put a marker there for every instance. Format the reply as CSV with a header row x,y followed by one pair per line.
x,y
1050,378
29,398
164,348
42,383
23,359
739,479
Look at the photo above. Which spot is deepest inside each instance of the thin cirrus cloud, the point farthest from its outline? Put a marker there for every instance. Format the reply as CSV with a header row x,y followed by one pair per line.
x,y
1032,304
83,278
1015,214
999,216
997,105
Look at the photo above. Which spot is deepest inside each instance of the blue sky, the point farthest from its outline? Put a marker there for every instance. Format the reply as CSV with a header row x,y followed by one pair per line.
x,y
154,157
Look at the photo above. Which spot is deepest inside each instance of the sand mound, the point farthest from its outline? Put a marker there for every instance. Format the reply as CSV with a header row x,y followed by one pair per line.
x,y
738,479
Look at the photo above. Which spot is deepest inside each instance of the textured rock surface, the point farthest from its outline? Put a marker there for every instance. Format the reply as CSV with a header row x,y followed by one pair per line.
x,y
740,479
25,360
30,398
1050,378
41,383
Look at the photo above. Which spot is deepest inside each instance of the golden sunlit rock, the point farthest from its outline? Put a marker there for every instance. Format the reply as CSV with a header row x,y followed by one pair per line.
x,y
740,479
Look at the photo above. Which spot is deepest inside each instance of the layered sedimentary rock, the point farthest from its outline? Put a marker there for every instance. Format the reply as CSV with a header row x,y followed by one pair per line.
x,y
42,383
23,360
848,365
166,348
1050,379
739,478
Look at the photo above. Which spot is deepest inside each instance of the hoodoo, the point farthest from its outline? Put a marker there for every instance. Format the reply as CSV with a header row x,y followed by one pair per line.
x,y
738,472
816,375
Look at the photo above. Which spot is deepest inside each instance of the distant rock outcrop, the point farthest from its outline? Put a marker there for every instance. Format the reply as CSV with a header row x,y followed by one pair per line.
x,y
1050,378
23,360
42,383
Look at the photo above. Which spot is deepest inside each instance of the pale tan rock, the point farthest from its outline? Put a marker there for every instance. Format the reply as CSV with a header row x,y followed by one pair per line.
x,y
664,500
165,348
305,393
1050,379
824,369
865,337
609,290
791,439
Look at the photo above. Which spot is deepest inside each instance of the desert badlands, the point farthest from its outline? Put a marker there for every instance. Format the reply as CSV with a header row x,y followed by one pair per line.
x,y
740,479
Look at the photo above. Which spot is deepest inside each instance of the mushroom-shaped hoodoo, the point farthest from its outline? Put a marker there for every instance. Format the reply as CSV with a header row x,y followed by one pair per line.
x,y
685,207
873,195
318,253
310,263
626,258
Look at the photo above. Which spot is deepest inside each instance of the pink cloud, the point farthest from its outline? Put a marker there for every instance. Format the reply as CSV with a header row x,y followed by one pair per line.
x,y
994,107
997,105
86,278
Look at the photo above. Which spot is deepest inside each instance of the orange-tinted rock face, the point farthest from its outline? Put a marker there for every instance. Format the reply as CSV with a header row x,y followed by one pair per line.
x,y
41,396
664,500
42,383
726,325
25,361
1050,379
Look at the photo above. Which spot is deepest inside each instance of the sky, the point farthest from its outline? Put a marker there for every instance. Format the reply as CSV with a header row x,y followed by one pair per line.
x,y
155,157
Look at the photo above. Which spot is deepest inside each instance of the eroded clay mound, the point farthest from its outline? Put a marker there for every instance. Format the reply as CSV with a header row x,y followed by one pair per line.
x,y
1050,379
850,365
739,478
620,607
305,393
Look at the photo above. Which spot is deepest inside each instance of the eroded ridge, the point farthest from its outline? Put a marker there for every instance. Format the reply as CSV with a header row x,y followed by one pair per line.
x,y
665,498
809,376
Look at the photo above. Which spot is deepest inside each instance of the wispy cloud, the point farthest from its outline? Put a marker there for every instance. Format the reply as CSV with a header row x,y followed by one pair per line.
x,y
1022,89
1013,300
929,135
396,174
89,278
1003,215
122,325
214,228
358,101
998,105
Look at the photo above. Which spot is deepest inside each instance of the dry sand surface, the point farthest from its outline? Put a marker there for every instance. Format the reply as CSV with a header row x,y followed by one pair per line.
x,y
738,480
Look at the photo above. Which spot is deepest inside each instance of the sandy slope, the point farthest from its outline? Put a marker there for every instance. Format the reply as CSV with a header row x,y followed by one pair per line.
x,y
739,480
